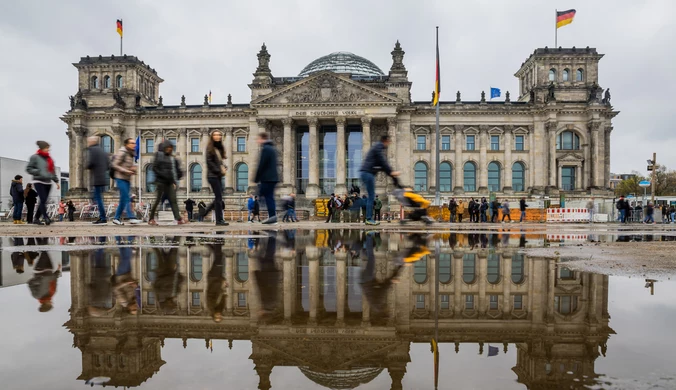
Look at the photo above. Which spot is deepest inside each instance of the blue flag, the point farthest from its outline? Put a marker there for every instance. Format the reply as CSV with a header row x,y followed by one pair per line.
x,y
137,149
495,92
493,351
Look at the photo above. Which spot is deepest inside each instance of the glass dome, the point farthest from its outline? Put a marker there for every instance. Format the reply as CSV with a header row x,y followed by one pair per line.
x,y
342,62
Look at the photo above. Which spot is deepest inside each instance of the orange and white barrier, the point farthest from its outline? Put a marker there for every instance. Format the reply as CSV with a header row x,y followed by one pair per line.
x,y
567,237
567,215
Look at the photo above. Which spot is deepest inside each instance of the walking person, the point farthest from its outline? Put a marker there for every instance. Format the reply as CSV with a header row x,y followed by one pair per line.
x,y
495,206
100,175
649,212
189,207
201,210
70,207
17,193
620,206
506,211
482,210
41,166
590,209
374,162
62,209
522,208
30,198
168,172
377,206
672,213
460,210
123,165
330,207
216,170
256,209
453,209
266,176
250,208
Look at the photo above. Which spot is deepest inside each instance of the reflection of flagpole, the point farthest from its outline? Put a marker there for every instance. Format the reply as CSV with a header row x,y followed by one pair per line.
x,y
435,340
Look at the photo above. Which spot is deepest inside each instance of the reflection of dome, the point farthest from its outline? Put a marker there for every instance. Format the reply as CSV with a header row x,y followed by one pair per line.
x,y
342,62
342,379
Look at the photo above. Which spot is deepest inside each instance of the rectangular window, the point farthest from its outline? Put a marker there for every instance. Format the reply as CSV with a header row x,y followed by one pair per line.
x,y
445,302
195,299
241,144
151,298
519,142
470,142
445,142
420,301
150,146
422,143
568,178
518,302
172,141
495,142
493,302
469,302
194,145
565,273
241,299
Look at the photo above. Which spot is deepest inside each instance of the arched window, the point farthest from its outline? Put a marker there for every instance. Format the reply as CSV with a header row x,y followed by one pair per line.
x,y
445,177
494,176
552,74
107,144
568,140
518,176
445,269
106,81
195,178
566,75
579,75
242,177
150,178
196,267
420,271
118,81
95,83
469,268
517,268
493,275
242,264
420,169
469,176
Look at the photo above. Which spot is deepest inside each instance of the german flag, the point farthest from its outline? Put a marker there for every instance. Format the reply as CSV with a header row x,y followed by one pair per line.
x,y
437,83
564,17
119,27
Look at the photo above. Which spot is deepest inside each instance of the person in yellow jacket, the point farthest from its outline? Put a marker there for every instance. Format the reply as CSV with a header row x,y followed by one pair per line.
x,y
460,210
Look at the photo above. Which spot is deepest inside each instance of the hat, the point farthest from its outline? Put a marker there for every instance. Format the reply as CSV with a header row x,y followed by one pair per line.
x,y
42,144
18,177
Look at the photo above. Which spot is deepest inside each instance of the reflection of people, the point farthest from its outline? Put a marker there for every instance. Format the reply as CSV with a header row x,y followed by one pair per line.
x,y
43,283
267,276
168,280
216,284
376,290
100,292
125,286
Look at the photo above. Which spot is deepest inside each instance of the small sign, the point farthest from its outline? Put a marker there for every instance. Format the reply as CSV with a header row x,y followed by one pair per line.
x,y
644,183
650,167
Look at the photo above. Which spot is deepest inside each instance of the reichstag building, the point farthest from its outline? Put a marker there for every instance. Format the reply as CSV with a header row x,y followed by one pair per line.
x,y
553,137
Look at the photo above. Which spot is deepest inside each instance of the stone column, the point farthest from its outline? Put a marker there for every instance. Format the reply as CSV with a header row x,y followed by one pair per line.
x,y
82,159
457,284
365,135
341,287
313,270
313,191
229,162
341,161
482,273
506,285
578,176
288,288
605,177
457,169
551,133
253,151
287,172
229,278
392,150
596,154
404,145
483,163
507,167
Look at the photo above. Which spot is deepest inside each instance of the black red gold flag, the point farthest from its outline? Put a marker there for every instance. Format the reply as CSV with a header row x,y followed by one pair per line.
x,y
564,17
119,27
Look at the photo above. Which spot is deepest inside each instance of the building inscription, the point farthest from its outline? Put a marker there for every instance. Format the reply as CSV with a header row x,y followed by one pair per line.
x,y
329,113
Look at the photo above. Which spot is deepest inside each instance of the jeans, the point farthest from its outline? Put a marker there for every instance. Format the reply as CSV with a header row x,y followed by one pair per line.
x,y
168,190
377,214
30,208
591,216
523,216
369,181
124,266
98,198
673,217
649,219
623,215
217,204
43,194
290,215
60,217
18,209
266,190
125,201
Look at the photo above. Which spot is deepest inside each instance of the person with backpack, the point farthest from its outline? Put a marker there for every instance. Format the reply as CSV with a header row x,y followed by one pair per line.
x,y
377,206
100,175
523,206
30,198
330,207
256,209
122,169
453,209
168,173
374,162
621,206
201,210
41,166
17,194
189,208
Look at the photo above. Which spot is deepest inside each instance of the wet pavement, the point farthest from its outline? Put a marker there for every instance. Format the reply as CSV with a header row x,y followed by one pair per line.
x,y
314,309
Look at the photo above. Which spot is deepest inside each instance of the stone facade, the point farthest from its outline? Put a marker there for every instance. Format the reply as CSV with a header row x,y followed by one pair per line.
x,y
555,137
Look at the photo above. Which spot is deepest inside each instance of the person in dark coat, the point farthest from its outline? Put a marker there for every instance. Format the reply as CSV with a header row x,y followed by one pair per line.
x,y
168,172
97,164
482,209
31,198
189,207
201,210
374,162
266,175
216,170
452,208
330,208
522,207
43,283
216,283
267,275
256,209
16,192
41,166
71,210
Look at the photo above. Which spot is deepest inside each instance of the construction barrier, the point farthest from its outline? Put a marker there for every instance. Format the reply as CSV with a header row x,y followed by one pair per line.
x,y
567,215
567,237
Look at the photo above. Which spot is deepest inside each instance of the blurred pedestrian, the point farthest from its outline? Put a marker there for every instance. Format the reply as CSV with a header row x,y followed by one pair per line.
x,y
266,175
41,166
62,209
168,173
17,193
123,165
100,175
216,170
30,198
43,283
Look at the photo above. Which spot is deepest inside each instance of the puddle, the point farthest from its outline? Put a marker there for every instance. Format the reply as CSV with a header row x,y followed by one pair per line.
x,y
326,309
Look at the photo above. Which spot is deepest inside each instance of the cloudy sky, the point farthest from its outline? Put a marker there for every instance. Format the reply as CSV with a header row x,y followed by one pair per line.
x,y
212,45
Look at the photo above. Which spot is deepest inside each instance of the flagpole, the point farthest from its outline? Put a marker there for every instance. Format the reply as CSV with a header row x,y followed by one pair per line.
x,y
556,29
122,23
437,195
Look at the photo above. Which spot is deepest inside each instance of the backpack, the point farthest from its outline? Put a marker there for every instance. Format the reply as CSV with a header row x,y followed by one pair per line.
x,y
337,203
618,205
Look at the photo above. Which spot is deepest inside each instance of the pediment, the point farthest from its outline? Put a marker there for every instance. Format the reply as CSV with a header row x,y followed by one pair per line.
x,y
571,157
326,87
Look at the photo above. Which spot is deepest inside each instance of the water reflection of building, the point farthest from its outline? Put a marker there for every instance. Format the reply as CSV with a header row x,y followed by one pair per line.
x,y
489,293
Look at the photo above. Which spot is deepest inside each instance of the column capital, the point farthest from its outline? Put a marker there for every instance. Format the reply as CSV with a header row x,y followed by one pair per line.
x,y
551,125
366,120
227,130
287,122
509,128
459,128
594,126
262,123
340,121
392,121
483,128
312,121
